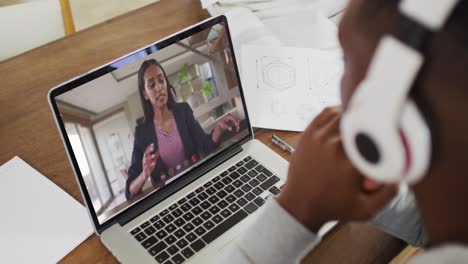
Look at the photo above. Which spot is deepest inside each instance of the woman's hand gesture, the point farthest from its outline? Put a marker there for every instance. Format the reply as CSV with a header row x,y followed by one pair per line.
x,y
227,123
149,161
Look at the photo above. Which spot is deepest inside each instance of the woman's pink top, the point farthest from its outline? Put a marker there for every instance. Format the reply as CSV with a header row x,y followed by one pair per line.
x,y
171,149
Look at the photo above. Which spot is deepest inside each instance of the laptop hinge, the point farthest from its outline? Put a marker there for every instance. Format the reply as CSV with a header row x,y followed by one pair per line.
x,y
154,199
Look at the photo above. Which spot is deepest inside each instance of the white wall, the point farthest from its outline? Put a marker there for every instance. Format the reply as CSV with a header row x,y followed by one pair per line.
x,y
134,109
29,25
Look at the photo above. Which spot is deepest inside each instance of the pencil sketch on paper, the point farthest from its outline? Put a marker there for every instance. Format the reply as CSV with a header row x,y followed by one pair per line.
x,y
323,77
306,112
287,87
278,109
275,73
323,80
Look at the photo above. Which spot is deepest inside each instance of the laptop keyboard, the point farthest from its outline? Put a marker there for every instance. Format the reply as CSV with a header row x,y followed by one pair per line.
x,y
188,225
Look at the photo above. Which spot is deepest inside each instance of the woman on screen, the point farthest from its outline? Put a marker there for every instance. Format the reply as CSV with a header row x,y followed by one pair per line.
x,y
169,139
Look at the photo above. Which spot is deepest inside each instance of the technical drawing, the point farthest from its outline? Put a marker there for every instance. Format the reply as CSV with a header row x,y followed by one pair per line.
x,y
306,112
278,109
324,81
325,77
275,73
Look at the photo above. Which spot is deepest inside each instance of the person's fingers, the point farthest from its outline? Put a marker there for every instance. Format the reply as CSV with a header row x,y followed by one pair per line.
x,y
151,159
222,125
351,176
149,168
326,115
366,184
227,123
231,122
370,203
369,185
147,162
154,157
148,150
332,127
234,123
145,155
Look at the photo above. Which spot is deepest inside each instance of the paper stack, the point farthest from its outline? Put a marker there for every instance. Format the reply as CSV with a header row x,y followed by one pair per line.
x,y
40,222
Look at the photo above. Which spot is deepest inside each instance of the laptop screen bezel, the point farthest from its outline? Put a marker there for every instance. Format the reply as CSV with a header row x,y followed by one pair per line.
x,y
106,69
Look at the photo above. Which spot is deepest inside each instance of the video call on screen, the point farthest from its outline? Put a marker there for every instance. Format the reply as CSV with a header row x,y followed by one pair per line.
x,y
138,128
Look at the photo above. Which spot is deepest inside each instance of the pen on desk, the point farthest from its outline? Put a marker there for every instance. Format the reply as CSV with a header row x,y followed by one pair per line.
x,y
282,144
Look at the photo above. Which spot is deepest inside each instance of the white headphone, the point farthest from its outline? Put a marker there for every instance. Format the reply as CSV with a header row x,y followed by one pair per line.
x,y
383,131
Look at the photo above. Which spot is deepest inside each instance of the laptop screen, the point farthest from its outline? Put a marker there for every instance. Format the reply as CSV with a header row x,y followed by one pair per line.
x,y
138,124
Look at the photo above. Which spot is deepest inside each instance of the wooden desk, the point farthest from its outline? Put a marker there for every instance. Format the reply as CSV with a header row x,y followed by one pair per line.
x,y
27,128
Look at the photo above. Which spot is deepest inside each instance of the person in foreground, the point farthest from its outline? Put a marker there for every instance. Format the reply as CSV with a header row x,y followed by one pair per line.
x,y
169,139
286,227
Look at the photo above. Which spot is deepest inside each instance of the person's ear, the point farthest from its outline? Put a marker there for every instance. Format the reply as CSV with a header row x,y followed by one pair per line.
x,y
145,95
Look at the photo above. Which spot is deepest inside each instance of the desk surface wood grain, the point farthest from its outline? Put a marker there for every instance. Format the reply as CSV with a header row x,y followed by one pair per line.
x,y
27,128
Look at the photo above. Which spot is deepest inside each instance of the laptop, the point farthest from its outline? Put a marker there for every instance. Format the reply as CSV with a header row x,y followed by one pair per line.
x,y
187,197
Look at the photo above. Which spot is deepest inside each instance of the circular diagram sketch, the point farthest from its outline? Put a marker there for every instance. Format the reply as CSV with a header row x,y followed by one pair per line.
x,y
276,73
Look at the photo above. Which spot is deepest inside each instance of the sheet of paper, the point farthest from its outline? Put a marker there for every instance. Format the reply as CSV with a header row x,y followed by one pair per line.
x,y
246,28
305,28
332,7
207,3
40,222
285,88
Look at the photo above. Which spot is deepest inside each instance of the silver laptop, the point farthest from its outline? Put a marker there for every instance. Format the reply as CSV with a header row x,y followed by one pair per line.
x,y
177,191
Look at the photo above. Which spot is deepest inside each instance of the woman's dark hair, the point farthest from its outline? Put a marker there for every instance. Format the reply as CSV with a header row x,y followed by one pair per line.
x,y
146,104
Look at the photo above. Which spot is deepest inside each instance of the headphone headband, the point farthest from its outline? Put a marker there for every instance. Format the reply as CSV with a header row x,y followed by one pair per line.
x,y
393,69
383,131
432,15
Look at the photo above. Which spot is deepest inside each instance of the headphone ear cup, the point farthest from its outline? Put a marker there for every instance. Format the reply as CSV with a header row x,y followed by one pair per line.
x,y
416,137
384,152
376,150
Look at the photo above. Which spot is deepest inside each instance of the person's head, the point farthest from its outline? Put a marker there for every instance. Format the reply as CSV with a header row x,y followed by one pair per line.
x,y
154,88
441,90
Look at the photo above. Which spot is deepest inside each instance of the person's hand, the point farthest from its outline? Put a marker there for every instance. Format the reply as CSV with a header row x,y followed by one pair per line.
x,y
149,161
322,183
227,123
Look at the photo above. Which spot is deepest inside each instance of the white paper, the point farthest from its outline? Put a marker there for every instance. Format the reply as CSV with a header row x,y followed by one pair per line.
x,y
304,29
40,222
285,88
246,28
332,7
207,3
